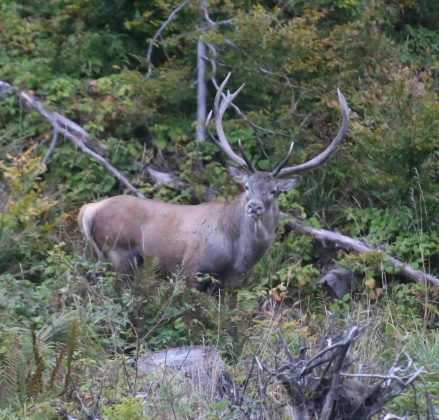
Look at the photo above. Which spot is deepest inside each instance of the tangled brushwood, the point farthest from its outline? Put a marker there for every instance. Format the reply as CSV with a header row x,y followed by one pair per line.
x,y
329,385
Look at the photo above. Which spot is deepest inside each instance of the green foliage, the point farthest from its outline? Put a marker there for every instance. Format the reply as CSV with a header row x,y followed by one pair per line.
x,y
25,221
127,409
393,227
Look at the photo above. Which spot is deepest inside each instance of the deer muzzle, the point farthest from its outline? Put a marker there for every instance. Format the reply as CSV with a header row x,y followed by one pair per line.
x,y
255,208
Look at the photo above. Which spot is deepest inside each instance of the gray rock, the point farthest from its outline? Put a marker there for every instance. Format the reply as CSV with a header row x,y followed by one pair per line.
x,y
338,281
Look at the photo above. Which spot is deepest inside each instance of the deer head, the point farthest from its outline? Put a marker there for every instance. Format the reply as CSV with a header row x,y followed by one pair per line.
x,y
262,188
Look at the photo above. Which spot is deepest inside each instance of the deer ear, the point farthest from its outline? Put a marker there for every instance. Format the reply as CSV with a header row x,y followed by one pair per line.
x,y
285,184
239,176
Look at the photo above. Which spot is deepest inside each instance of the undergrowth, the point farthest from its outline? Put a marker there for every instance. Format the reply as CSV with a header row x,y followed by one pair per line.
x,y
72,331
74,340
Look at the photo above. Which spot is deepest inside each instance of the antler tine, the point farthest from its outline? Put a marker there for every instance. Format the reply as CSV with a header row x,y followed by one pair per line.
x,y
220,106
322,157
284,161
245,157
209,117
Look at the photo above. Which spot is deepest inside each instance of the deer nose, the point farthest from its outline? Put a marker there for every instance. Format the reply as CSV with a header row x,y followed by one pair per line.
x,y
255,207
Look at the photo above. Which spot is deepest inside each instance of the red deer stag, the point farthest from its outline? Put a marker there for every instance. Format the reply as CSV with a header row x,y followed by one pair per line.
x,y
224,240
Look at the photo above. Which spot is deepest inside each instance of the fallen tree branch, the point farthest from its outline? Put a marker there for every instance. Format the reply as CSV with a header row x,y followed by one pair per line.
x,y
350,244
160,177
70,130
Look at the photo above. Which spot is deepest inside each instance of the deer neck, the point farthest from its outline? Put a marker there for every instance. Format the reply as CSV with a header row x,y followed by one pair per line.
x,y
250,237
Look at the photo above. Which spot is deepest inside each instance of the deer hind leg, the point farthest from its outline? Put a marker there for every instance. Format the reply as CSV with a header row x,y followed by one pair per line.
x,y
123,261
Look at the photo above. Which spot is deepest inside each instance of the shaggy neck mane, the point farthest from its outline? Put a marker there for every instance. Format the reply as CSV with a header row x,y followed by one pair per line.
x,y
233,219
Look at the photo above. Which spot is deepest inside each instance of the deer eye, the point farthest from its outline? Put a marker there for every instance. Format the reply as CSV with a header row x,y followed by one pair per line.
x,y
273,192
246,187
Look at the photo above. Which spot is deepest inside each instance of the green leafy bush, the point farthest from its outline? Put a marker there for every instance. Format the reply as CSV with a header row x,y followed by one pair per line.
x,y
25,222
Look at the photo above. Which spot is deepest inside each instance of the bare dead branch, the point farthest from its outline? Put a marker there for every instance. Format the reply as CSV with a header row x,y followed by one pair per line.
x,y
334,390
158,34
211,22
394,391
52,146
161,177
399,380
351,336
321,386
70,130
350,244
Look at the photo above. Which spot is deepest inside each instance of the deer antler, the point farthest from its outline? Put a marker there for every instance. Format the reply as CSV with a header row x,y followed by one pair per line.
x,y
220,105
283,162
322,157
